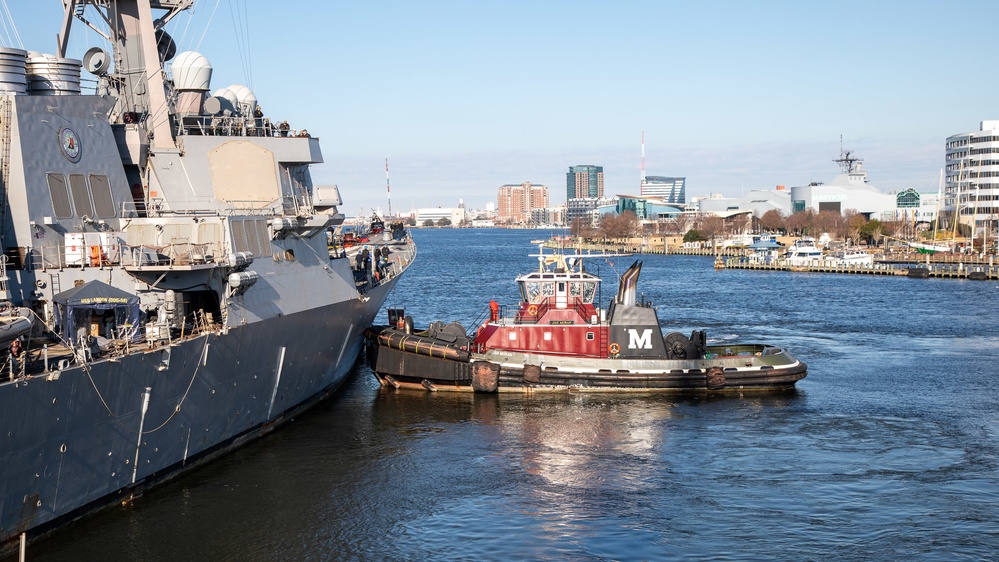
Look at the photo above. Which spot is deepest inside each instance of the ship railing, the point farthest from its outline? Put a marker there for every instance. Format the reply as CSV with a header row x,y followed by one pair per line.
x,y
297,205
237,126
182,253
132,209
250,207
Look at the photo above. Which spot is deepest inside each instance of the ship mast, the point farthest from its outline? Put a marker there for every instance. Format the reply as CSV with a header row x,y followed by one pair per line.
x,y
140,49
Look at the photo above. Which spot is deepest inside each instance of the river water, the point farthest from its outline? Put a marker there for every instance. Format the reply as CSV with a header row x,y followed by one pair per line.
x,y
888,450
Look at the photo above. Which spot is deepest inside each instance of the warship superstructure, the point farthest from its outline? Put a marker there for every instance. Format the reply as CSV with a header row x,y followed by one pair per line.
x,y
169,289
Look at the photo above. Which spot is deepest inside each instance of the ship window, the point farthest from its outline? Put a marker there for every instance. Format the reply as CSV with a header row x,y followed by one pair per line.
x,y
60,197
589,336
575,290
81,195
589,289
263,237
548,289
533,291
239,237
100,189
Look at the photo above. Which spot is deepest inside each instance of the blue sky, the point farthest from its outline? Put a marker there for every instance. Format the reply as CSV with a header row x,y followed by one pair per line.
x,y
463,97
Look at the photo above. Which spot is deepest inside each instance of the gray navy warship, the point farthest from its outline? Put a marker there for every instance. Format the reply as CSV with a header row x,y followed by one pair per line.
x,y
171,285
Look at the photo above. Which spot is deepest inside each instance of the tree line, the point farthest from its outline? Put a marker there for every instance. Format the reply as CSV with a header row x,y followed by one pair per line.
x,y
849,225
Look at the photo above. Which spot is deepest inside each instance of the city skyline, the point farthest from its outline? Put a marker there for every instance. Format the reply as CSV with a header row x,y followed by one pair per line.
x,y
733,97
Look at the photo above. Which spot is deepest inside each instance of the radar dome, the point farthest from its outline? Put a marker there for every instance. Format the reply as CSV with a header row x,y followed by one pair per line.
x,y
245,98
191,71
227,94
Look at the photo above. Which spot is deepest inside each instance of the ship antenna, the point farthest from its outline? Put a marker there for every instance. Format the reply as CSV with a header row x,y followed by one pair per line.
x,y
388,188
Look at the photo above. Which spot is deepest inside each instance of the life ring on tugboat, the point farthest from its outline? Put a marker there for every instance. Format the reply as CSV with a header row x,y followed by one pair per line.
x,y
532,310
614,348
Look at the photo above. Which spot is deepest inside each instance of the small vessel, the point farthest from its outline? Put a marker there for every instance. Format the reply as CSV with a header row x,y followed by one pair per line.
x,y
849,257
556,338
803,252
927,248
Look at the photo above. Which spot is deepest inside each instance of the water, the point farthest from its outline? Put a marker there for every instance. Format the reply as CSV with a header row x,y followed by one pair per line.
x,y
888,450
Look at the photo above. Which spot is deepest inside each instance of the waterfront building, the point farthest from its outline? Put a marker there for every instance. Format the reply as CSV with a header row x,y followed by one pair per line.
x,y
454,214
669,189
588,207
849,190
647,208
972,176
548,216
517,201
757,201
585,182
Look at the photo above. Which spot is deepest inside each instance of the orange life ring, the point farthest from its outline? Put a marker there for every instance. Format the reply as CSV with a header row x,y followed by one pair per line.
x,y
532,310
614,348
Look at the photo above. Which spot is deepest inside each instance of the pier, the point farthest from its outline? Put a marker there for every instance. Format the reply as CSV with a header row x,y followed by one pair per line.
x,y
937,266
912,269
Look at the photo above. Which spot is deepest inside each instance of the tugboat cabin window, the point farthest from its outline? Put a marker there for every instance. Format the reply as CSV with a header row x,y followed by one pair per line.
x,y
589,336
589,289
60,196
530,291
575,290
549,289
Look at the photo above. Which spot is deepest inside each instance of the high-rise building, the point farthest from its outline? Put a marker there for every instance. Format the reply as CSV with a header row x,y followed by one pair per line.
x,y
972,182
516,201
585,182
671,190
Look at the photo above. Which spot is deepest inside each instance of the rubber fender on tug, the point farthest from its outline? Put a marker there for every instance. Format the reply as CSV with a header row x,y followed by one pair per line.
x,y
715,378
532,374
485,377
430,347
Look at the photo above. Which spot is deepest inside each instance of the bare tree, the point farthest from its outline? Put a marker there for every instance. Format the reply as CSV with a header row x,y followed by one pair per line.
x,y
711,227
801,223
619,226
773,221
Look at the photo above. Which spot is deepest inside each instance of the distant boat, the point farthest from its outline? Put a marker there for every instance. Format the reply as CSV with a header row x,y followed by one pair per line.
x,y
929,248
803,252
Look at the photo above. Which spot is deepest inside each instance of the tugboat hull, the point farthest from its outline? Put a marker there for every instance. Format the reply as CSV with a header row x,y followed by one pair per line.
x,y
431,364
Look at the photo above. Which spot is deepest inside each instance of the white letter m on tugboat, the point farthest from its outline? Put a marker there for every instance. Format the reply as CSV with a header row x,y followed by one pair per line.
x,y
636,341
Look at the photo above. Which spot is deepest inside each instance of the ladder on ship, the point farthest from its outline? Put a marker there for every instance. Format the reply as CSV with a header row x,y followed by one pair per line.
x,y
603,331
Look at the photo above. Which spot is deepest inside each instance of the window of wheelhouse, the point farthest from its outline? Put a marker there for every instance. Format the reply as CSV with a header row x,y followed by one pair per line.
x,y
530,291
548,288
589,290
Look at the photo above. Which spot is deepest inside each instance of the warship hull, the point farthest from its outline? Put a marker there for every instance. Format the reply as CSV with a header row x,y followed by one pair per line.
x,y
87,436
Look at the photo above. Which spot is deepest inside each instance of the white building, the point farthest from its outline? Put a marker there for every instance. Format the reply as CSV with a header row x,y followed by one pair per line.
x,y
454,214
758,201
848,190
972,176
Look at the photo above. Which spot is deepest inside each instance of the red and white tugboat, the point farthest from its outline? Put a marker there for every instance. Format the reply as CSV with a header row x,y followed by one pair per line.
x,y
557,338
